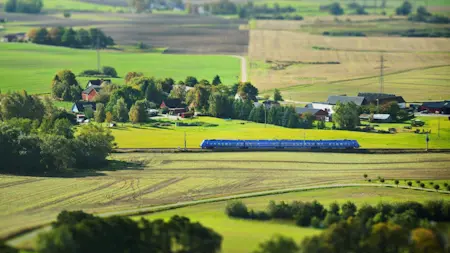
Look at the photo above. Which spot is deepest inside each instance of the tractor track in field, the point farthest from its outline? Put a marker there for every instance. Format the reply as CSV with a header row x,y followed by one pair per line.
x,y
56,201
152,188
26,181
305,162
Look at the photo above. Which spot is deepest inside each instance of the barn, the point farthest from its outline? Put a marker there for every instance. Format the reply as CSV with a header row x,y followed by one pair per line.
x,y
442,107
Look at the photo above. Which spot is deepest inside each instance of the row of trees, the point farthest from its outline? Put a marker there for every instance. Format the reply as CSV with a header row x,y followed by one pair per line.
x,y
79,232
23,6
68,37
407,214
36,138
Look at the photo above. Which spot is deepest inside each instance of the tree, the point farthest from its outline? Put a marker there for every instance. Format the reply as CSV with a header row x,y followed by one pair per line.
x,y
131,75
10,6
92,145
386,237
409,184
66,76
278,244
236,209
179,92
361,11
277,95
247,91
422,185
56,152
365,176
191,81
21,105
139,5
346,115
396,182
69,38
120,111
89,113
40,36
100,113
436,187
63,127
166,84
219,105
423,12
137,113
83,37
216,81
334,208
405,9
336,9
152,94
55,35
348,209
425,240
109,117
109,71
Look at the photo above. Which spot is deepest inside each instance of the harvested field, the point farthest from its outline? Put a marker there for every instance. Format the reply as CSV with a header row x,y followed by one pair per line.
x,y
179,33
140,180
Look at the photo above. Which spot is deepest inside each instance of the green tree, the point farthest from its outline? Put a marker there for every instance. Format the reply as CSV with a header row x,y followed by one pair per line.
x,y
387,238
423,12
10,6
219,105
55,35
89,113
336,9
109,71
109,117
179,92
236,209
404,9
56,152
278,244
41,36
216,81
277,95
409,184
66,76
191,81
120,112
21,105
346,115
69,38
396,182
198,97
92,145
137,113
152,94
131,75
348,209
247,91
83,37
100,113
63,127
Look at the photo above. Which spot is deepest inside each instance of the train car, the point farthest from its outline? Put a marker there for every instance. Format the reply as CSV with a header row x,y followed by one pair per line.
x,y
279,144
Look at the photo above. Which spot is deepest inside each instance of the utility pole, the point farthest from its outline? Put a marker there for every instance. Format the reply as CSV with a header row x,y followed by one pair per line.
x,y
98,52
382,67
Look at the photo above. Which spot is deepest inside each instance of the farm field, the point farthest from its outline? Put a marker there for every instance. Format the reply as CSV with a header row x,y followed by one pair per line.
x,y
244,236
31,67
173,137
182,34
74,5
136,180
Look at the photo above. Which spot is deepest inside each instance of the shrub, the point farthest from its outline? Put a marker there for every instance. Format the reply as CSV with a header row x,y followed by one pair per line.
x,y
382,180
90,72
436,187
418,181
67,14
404,9
396,182
331,219
445,184
316,222
422,185
109,71
237,209
409,184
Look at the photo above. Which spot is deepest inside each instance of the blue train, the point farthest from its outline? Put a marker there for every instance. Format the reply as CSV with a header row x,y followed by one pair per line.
x,y
279,144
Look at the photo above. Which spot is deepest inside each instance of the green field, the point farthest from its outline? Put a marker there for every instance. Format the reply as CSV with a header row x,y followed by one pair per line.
x,y
74,5
173,137
244,236
32,67
135,180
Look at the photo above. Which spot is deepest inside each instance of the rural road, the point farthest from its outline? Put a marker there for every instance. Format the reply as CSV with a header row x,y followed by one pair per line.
x,y
27,236
243,68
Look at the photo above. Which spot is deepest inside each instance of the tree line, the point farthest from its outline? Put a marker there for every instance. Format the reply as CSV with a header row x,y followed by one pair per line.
x,y
37,138
23,6
68,37
84,233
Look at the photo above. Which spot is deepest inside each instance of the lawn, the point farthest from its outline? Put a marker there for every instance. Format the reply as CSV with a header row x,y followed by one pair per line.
x,y
133,180
244,236
31,67
173,137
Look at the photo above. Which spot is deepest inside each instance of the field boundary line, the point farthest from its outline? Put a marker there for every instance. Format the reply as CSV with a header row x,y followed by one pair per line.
x,y
16,238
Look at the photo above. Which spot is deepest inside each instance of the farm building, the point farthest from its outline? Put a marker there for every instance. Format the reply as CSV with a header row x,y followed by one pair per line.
x,y
318,113
442,107
81,106
14,37
171,103
97,82
90,92
176,111
239,96
382,99
322,106
333,100
381,118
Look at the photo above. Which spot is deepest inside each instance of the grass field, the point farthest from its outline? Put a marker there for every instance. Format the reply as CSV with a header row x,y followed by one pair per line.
x,y
244,236
173,137
31,67
74,5
140,180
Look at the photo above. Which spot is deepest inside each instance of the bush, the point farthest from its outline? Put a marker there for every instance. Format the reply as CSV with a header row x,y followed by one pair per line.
x,y
404,9
237,209
422,185
109,71
316,222
67,14
90,72
330,219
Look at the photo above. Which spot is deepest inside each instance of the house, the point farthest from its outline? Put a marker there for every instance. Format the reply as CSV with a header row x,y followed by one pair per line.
x,y
81,106
333,100
14,37
97,82
442,107
171,103
318,113
176,111
381,118
322,106
90,92
382,99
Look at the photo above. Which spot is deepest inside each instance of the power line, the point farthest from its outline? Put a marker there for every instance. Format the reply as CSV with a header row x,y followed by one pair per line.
x,y
381,68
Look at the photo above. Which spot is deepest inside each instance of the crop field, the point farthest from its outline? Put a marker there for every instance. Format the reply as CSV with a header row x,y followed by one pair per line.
x,y
134,180
244,236
151,136
76,5
183,34
31,67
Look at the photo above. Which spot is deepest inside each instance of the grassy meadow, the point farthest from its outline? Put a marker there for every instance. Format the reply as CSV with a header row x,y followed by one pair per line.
x,y
244,236
81,6
133,181
151,136
32,67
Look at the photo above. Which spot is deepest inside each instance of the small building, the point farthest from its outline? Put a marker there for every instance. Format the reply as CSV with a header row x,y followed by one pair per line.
x,y
176,111
240,97
14,37
333,100
171,103
90,92
319,114
383,98
81,106
442,107
97,82
381,118
322,106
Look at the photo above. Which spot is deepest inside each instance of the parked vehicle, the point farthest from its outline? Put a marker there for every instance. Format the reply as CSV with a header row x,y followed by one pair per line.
x,y
279,144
